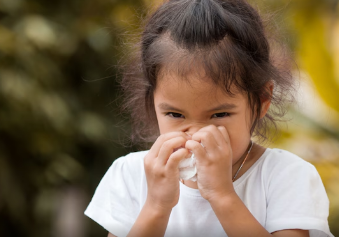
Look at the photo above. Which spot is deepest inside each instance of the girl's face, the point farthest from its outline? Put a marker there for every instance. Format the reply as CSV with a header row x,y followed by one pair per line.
x,y
188,106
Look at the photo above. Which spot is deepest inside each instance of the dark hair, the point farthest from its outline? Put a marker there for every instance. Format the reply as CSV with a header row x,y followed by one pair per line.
x,y
227,38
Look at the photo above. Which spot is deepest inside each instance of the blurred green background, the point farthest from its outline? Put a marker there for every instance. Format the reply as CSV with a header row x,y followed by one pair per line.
x,y
60,127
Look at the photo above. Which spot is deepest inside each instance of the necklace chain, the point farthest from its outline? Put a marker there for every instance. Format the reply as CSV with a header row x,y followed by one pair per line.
x,y
243,162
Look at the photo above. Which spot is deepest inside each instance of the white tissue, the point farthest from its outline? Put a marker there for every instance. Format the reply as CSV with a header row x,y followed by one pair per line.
x,y
188,169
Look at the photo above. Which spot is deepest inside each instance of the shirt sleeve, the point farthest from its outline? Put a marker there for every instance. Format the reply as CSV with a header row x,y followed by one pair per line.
x,y
296,199
114,205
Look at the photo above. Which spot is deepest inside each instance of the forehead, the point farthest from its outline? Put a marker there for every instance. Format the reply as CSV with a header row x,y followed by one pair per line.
x,y
195,89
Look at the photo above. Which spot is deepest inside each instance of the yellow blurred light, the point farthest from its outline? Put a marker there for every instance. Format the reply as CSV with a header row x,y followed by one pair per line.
x,y
39,31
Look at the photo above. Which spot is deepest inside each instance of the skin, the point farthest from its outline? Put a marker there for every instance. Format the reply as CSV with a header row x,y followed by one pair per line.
x,y
191,113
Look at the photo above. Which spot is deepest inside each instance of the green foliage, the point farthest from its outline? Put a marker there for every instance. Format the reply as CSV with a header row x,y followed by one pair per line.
x,y
60,127
314,131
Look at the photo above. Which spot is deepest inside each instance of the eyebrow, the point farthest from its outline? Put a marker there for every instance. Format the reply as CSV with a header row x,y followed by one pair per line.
x,y
225,106
165,106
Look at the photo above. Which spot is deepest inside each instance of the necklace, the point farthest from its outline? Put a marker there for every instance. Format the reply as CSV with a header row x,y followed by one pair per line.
x,y
243,162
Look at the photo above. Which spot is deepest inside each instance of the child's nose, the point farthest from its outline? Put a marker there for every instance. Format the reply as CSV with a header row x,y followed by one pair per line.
x,y
194,128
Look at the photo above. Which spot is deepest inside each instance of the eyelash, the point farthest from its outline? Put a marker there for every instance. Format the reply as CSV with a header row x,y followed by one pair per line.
x,y
178,115
225,114
171,114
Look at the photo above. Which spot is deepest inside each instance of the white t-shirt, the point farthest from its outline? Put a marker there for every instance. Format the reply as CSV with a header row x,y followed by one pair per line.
x,y
281,190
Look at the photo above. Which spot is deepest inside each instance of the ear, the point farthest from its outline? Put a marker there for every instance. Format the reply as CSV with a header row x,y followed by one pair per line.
x,y
266,98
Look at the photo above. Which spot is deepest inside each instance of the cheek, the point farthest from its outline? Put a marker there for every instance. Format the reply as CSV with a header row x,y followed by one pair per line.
x,y
237,127
161,125
164,126
239,134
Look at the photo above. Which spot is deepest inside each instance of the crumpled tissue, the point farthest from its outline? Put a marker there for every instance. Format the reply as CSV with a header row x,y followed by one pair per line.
x,y
188,169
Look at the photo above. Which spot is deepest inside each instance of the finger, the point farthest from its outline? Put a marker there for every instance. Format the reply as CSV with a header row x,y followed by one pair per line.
x,y
224,133
168,148
175,158
154,151
197,149
208,139
218,136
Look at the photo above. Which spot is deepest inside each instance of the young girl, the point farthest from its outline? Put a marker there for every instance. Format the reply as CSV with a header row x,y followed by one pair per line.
x,y
203,84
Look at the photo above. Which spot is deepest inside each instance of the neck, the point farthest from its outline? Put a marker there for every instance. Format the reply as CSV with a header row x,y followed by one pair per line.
x,y
236,168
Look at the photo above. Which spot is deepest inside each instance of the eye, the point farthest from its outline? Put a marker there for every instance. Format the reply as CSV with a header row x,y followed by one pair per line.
x,y
220,115
175,115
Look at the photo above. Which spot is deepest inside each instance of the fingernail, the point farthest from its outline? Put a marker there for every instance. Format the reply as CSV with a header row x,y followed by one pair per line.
x,y
188,135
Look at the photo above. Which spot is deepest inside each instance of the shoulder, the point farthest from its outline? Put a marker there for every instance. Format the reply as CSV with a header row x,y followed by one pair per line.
x,y
280,156
279,160
295,194
120,193
126,176
131,159
288,173
132,163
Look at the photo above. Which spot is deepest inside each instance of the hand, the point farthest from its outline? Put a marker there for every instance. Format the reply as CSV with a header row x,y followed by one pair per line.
x,y
161,168
212,149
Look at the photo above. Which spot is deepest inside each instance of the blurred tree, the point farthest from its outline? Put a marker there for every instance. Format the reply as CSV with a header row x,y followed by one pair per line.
x,y
60,130
315,23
